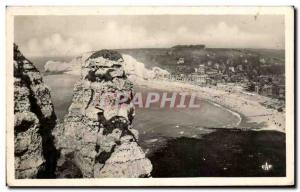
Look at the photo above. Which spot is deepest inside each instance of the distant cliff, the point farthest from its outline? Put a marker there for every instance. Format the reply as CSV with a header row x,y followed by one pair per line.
x,y
189,47
264,61
134,69
35,155
96,138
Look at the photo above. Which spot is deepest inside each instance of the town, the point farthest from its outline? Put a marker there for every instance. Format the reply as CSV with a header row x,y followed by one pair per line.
x,y
264,76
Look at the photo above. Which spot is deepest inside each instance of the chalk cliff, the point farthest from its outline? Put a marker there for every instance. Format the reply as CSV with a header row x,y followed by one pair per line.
x,y
35,155
135,70
96,138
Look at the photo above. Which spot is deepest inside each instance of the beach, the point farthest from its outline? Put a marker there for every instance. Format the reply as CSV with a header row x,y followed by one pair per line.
x,y
254,110
217,139
257,137
254,114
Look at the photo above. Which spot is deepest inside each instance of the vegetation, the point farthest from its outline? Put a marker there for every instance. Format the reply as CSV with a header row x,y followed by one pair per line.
x,y
249,62
108,54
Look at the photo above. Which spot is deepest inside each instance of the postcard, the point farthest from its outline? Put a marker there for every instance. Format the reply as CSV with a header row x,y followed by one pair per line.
x,y
150,96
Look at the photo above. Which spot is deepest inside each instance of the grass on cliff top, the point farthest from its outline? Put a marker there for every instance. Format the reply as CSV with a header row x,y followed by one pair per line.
x,y
107,54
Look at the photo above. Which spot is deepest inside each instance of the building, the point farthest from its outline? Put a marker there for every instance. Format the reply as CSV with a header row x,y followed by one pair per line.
x,y
212,72
262,60
281,92
236,78
257,89
271,90
231,68
216,65
201,69
209,63
180,61
199,79
240,67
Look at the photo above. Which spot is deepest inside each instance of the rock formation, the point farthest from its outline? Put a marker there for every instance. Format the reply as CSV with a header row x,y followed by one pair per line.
x,y
96,138
35,155
135,70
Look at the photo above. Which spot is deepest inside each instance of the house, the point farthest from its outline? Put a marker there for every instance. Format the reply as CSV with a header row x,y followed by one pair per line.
x,y
225,77
218,77
216,65
257,89
180,61
264,78
240,67
199,79
281,91
211,81
209,63
245,79
212,72
262,60
201,69
236,78
228,61
231,68
269,90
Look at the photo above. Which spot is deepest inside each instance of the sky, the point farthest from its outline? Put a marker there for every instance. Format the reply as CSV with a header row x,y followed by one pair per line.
x,y
73,35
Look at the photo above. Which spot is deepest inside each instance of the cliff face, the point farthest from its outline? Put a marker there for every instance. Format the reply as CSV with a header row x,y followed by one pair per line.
x,y
96,138
35,155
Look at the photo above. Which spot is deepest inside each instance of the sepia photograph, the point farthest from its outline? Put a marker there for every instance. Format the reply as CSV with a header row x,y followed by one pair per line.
x,y
150,96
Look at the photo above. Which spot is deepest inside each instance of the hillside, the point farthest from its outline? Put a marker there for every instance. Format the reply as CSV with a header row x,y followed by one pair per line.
x,y
252,62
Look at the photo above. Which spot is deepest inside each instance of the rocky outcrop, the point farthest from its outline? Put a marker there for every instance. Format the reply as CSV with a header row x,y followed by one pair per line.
x,y
135,70
96,138
35,155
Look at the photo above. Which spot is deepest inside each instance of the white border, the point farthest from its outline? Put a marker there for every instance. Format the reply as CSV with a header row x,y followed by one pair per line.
x,y
288,12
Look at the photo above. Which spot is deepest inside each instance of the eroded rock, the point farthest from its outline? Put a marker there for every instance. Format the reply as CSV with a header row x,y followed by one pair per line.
x,y
96,136
35,155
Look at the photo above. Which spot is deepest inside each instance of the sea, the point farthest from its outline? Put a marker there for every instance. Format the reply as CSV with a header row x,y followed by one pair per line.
x,y
200,142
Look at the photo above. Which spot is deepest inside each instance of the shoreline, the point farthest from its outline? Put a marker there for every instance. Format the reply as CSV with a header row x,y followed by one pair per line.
x,y
253,115
247,107
230,111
